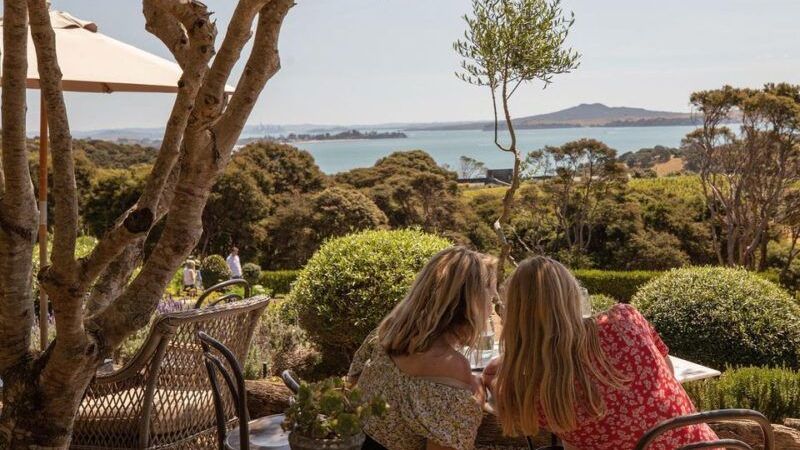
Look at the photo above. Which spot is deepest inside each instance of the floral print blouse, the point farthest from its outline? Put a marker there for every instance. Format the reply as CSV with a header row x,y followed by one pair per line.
x,y
653,395
420,409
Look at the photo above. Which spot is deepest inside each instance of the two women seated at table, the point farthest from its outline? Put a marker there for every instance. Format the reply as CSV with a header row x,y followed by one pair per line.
x,y
597,382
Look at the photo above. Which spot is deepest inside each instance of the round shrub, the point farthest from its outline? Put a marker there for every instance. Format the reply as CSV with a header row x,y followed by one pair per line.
x,y
601,303
215,270
352,282
251,272
721,316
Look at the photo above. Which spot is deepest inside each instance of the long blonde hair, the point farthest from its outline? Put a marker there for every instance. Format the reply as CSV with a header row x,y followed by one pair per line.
x,y
451,297
552,357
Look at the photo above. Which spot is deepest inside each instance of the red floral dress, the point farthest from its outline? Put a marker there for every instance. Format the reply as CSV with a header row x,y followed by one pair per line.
x,y
653,395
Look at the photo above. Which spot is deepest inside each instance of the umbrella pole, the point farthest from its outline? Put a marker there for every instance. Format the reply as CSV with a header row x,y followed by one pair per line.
x,y
43,142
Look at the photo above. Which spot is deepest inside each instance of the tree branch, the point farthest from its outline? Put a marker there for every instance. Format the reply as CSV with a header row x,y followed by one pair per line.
x,y
199,169
196,48
239,32
264,62
18,212
65,193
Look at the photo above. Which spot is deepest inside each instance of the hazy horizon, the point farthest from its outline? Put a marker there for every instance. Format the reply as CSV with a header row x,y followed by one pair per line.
x,y
364,62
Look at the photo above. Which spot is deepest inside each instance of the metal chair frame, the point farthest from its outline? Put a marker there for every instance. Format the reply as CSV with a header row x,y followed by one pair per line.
x,y
227,297
712,416
234,379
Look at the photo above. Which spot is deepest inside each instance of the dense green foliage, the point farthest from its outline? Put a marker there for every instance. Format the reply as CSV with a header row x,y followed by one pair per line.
x,y
352,282
601,303
278,281
620,285
261,179
720,316
251,272
773,392
308,220
412,190
214,270
280,343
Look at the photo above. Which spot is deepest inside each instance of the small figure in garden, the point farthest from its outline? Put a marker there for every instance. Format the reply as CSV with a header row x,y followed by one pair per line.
x,y
234,264
412,359
597,382
190,278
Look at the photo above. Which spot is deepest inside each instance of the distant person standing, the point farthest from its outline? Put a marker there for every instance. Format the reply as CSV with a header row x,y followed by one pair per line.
x,y
234,264
189,278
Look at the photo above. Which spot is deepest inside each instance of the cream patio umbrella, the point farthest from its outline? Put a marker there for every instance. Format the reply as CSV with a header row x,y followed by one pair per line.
x,y
91,62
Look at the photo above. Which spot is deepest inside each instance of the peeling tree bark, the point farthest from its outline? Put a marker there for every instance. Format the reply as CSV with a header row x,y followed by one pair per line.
x,y
95,305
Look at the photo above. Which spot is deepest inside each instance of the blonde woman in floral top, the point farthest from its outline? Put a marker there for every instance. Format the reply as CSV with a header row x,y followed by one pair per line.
x,y
412,358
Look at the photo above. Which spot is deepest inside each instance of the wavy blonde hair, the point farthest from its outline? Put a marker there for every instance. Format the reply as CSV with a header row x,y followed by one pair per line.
x,y
552,358
451,297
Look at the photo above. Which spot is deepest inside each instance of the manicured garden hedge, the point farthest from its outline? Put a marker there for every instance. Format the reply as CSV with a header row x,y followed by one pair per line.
x,y
352,282
720,316
773,392
621,285
215,270
601,303
278,282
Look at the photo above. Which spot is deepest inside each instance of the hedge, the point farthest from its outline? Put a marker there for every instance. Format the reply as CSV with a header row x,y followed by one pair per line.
x,y
278,282
352,282
773,392
719,316
621,285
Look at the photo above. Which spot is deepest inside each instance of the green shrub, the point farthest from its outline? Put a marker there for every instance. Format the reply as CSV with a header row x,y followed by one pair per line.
x,y
352,282
621,285
251,272
278,281
601,302
773,392
281,344
215,270
721,316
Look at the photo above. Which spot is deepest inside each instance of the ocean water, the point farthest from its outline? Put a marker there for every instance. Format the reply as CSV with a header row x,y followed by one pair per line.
x,y
446,147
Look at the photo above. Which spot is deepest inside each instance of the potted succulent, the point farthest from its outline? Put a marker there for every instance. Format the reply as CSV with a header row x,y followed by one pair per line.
x,y
328,415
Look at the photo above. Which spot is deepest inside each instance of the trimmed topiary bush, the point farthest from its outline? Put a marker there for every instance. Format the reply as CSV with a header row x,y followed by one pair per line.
x,y
720,316
278,281
619,284
773,392
352,282
214,270
251,272
601,303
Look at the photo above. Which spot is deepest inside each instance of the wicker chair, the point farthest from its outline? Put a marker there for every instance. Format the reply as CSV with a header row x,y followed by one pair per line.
x,y
162,398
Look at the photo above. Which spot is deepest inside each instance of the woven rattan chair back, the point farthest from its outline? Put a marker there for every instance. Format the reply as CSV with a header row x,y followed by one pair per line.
x,y
162,398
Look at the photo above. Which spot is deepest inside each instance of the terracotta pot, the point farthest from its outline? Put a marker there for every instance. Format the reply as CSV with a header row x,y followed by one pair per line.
x,y
299,442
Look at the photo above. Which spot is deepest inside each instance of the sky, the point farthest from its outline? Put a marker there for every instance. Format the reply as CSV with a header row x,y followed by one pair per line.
x,y
383,61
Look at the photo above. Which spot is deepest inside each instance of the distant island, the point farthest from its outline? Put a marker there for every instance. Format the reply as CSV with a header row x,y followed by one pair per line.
x,y
344,135
583,115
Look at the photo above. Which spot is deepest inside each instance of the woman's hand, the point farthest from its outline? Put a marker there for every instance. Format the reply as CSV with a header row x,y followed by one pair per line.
x,y
491,370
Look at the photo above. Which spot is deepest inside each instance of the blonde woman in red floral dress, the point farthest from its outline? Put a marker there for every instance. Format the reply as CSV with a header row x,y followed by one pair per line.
x,y
599,382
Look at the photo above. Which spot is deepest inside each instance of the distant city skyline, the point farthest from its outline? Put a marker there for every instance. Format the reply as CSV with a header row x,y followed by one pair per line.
x,y
382,61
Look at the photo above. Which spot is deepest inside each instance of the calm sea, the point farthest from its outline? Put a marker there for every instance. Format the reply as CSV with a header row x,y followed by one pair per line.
x,y
446,147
